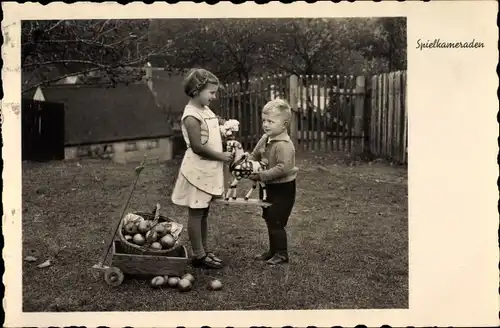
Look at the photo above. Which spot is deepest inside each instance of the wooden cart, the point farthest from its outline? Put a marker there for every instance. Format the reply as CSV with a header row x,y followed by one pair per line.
x,y
123,263
142,265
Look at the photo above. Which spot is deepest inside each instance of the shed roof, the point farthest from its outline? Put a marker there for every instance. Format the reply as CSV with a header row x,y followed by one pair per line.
x,y
97,114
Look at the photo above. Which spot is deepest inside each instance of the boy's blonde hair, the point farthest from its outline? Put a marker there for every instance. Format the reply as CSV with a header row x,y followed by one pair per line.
x,y
281,106
197,79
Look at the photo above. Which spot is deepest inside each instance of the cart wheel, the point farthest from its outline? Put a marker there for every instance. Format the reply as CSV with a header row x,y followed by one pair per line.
x,y
113,277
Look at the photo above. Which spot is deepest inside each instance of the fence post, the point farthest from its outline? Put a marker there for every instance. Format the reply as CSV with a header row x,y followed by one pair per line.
x,y
294,82
359,109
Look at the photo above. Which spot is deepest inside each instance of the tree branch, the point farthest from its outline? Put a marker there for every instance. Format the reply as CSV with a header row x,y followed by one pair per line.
x,y
64,61
53,27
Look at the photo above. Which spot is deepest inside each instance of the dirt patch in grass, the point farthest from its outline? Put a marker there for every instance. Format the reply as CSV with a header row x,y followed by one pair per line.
x,y
348,239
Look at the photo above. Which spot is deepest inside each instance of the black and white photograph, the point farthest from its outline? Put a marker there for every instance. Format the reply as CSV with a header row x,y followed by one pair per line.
x,y
217,163
102,97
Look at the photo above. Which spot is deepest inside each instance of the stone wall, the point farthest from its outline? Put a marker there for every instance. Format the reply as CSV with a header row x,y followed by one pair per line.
x,y
124,152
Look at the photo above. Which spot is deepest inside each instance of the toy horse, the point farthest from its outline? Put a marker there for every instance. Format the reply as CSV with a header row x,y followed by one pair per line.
x,y
242,168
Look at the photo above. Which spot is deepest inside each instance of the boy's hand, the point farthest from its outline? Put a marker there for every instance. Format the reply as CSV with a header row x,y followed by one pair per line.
x,y
254,177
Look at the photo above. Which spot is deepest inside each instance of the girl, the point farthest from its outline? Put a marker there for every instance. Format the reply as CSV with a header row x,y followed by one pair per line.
x,y
201,173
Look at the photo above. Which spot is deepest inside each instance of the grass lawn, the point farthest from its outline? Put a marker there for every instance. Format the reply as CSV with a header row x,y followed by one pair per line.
x,y
348,240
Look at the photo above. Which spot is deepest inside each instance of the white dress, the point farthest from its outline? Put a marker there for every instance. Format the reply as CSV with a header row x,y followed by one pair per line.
x,y
200,179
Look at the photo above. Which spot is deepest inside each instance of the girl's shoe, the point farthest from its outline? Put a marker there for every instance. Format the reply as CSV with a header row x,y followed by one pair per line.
x,y
214,257
277,259
206,262
264,256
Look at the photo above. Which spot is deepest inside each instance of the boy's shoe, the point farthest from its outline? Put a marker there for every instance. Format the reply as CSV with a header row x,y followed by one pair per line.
x,y
277,259
264,256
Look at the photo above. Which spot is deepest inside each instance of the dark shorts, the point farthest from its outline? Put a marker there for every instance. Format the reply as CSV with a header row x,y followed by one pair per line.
x,y
282,198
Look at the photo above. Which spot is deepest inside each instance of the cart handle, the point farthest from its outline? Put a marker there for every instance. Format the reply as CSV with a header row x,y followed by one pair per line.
x,y
105,253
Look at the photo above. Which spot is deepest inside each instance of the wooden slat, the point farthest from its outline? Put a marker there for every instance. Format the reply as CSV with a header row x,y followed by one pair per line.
x,y
225,101
387,127
307,116
349,112
380,115
302,113
261,102
384,116
397,117
345,115
314,97
310,117
332,115
390,114
405,126
373,120
251,116
317,116
394,148
232,108
385,112
325,110
244,119
350,104
258,108
264,94
313,116
338,117
239,114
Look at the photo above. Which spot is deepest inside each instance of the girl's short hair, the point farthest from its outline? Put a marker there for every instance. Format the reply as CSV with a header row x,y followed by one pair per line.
x,y
197,79
280,106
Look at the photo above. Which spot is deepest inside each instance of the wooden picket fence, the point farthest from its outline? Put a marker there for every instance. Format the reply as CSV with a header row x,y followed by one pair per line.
x,y
245,103
389,117
332,112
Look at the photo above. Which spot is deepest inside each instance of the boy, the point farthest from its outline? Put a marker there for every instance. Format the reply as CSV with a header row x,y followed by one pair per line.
x,y
277,149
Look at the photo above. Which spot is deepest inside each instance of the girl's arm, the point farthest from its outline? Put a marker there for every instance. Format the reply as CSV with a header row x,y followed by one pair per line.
x,y
194,135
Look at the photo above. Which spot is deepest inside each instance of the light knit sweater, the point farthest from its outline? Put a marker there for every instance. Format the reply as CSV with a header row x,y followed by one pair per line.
x,y
279,154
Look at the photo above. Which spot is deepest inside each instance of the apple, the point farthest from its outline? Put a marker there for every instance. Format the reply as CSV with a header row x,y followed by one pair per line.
x,y
144,226
189,277
130,228
156,246
184,285
215,285
157,282
167,241
138,239
172,281
151,236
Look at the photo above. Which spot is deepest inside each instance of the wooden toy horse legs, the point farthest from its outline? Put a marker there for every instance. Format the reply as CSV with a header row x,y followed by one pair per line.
x,y
264,191
232,190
